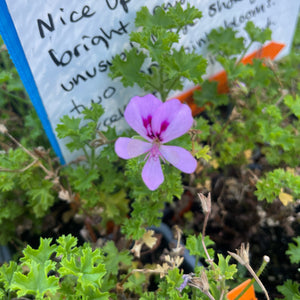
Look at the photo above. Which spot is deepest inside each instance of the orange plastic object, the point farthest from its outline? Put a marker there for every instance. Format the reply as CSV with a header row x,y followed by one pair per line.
x,y
269,51
249,295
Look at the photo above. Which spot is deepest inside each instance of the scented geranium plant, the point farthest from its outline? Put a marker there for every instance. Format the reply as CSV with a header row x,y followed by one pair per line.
x,y
157,169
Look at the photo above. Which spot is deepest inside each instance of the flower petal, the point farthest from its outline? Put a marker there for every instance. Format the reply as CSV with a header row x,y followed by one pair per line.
x,y
139,113
179,158
128,148
171,120
152,173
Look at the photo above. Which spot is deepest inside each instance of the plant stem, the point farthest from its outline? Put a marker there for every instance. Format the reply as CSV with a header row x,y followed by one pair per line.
x,y
172,85
244,52
13,96
255,278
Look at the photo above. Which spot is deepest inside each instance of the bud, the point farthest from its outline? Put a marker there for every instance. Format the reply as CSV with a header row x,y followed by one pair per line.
x,y
205,203
201,282
239,89
241,255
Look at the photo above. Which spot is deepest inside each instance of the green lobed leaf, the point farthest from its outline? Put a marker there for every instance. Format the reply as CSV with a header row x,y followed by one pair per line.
x,y
86,267
13,160
174,17
203,127
183,17
189,65
258,34
41,197
290,290
7,273
194,245
36,282
145,19
225,269
116,206
294,250
83,178
157,41
68,127
93,294
9,210
66,246
202,152
224,41
135,283
93,113
293,104
40,255
209,94
129,69
168,286
114,258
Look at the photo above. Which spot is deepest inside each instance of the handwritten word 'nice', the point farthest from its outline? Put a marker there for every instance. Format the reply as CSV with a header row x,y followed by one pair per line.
x,y
75,16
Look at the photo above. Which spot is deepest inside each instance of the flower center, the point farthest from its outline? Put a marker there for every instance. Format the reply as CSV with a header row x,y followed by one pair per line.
x,y
154,152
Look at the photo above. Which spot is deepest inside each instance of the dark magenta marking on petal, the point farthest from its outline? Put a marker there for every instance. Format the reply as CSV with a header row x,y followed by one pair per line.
x,y
147,124
164,125
147,121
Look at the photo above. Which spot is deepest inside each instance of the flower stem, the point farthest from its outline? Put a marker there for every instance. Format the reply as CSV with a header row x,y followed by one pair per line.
x,y
266,259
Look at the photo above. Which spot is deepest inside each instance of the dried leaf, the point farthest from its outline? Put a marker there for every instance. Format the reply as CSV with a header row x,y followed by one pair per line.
x,y
148,239
285,198
136,249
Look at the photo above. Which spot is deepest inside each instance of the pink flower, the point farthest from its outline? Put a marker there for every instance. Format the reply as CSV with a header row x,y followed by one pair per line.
x,y
158,123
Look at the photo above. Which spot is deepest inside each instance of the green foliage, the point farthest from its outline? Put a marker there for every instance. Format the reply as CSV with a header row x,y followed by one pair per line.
x,y
36,282
167,66
290,290
269,187
7,272
294,251
293,104
135,283
257,34
147,207
113,258
23,191
223,41
129,76
195,246
175,18
86,267
76,270
41,197
223,268
260,115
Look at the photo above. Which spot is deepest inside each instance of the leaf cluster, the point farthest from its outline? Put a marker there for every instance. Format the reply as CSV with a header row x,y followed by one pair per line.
x,y
23,191
260,112
57,271
291,289
275,182
155,63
